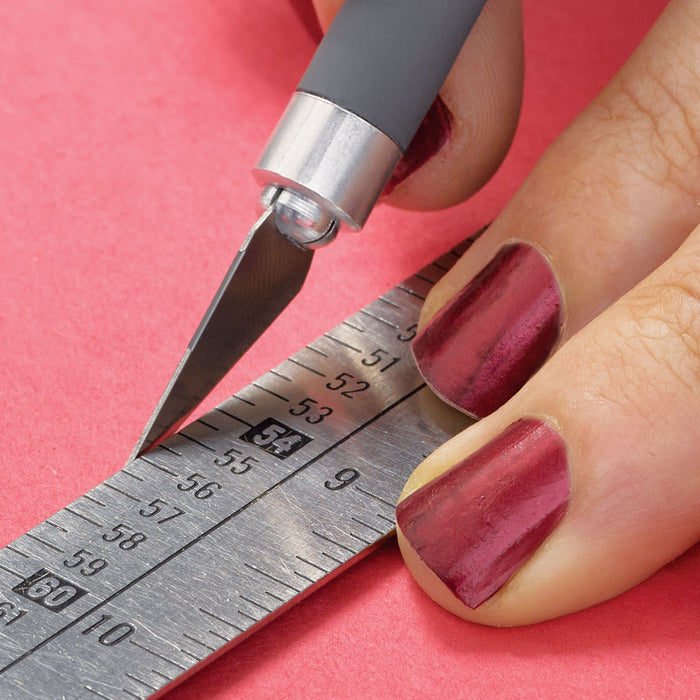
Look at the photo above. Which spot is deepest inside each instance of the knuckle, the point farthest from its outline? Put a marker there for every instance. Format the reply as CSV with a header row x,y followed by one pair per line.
x,y
657,102
667,329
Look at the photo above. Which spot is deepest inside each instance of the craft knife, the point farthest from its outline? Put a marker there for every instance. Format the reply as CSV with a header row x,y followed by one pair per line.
x,y
355,111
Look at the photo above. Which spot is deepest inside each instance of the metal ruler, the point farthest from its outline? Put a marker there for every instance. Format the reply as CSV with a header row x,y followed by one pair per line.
x,y
190,548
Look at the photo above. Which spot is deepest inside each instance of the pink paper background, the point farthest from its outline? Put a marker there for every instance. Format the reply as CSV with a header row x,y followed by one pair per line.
x,y
127,132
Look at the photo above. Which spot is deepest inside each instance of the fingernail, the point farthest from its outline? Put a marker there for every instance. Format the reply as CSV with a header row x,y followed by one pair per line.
x,y
479,349
476,524
433,133
307,14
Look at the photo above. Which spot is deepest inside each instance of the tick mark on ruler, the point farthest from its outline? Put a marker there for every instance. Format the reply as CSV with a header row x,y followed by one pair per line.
x,y
361,539
353,326
424,278
52,524
270,576
197,442
316,350
191,655
389,302
158,656
162,675
133,695
68,509
270,392
133,476
157,466
97,692
14,549
310,563
197,641
341,342
310,369
252,602
440,267
374,495
221,619
381,320
92,499
367,525
280,375
230,415
240,398
411,292
275,597
250,617
387,519
11,571
218,636
45,543
303,576
138,680
332,541
208,425
123,493
163,446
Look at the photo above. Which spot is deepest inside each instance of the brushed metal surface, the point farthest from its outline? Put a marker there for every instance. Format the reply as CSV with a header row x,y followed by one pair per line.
x,y
195,545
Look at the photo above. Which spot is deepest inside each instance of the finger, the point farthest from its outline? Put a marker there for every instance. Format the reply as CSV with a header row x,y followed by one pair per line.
x,y
611,199
468,131
582,485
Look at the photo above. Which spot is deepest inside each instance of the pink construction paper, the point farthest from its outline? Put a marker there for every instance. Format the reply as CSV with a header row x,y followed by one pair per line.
x,y
127,133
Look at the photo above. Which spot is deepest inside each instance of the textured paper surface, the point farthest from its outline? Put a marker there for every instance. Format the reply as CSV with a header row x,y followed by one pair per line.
x,y
127,132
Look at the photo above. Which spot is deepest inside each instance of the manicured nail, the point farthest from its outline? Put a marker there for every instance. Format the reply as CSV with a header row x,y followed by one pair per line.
x,y
479,349
307,14
433,133
476,524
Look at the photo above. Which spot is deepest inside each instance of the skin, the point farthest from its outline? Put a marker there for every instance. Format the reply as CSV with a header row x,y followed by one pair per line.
x,y
623,388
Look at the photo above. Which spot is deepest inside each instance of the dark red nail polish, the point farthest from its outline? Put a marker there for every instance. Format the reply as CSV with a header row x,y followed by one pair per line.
x,y
307,14
477,523
433,133
479,349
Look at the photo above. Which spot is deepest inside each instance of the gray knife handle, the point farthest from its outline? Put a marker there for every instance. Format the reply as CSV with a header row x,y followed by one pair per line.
x,y
357,107
386,60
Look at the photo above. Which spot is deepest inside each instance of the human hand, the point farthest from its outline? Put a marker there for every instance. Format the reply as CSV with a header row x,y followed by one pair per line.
x,y
585,481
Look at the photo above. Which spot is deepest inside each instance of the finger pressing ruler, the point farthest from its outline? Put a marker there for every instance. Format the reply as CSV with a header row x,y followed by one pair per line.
x,y
195,545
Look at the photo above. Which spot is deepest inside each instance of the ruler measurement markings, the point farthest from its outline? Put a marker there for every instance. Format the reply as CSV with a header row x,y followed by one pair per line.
x,y
221,619
133,695
11,571
145,459
381,320
410,291
138,680
374,495
273,578
124,470
208,425
44,542
94,500
367,525
197,442
355,327
97,692
270,392
53,524
14,549
245,401
360,539
387,301
334,443
307,367
165,447
75,513
226,640
252,602
315,566
279,374
143,647
231,415
197,641
118,490
213,528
